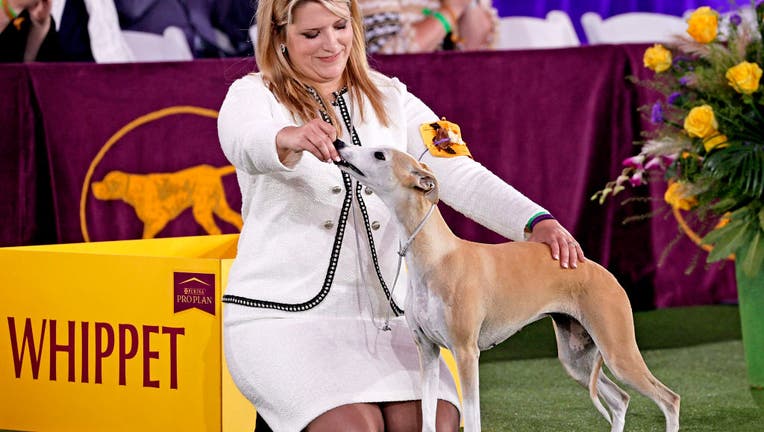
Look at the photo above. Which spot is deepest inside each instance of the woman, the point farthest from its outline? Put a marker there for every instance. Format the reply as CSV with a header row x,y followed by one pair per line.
x,y
313,332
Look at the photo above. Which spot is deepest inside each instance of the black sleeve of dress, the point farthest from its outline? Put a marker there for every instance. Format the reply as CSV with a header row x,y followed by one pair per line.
x,y
50,50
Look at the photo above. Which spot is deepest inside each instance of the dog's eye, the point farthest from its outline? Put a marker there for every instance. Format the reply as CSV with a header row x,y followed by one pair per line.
x,y
379,155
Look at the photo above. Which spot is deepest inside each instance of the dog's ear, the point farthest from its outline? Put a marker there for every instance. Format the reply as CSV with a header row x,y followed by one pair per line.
x,y
426,181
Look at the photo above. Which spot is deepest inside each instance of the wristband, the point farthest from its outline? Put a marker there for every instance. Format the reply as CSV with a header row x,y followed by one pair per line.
x,y
535,219
9,12
439,16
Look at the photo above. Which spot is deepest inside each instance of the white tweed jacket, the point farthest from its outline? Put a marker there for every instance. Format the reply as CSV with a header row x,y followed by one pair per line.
x,y
291,215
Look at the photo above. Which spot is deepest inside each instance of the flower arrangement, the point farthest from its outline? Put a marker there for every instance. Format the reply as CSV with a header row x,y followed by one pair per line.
x,y
708,139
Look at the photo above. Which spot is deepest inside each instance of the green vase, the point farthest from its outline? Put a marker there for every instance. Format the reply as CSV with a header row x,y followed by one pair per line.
x,y
750,291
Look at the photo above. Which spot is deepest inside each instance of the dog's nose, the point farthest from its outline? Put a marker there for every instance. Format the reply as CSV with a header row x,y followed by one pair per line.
x,y
338,144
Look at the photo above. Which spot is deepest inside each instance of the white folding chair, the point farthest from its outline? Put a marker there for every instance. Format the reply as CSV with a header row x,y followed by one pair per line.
x,y
253,35
632,27
554,31
171,45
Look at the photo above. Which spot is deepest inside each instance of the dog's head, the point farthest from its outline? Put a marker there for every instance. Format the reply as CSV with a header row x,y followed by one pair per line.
x,y
113,186
387,171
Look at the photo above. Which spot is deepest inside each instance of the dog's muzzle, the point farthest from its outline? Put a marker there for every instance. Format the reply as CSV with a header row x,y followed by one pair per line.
x,y
339,145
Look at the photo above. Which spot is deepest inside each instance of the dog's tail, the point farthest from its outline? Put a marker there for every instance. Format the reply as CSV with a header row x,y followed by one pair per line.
x,y
593,378
225,170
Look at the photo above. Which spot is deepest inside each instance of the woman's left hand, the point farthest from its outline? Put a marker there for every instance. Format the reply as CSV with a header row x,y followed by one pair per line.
x,y
564,247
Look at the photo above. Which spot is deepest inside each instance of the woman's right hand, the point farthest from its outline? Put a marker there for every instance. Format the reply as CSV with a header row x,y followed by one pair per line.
x,y
316,137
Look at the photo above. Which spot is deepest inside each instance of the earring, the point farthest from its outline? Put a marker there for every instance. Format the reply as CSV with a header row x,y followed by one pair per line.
x,y
283,49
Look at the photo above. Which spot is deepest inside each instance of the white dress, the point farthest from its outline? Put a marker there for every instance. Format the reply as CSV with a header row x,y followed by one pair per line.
x,y
308,293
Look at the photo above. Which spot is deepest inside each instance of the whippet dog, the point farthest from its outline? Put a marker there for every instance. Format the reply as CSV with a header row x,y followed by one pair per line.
x,y
468,297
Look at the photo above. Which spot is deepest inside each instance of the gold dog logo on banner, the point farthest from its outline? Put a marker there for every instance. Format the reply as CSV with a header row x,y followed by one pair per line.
x,y
159,198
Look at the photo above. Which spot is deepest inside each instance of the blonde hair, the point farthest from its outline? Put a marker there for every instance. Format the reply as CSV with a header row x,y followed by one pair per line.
x,y
288,85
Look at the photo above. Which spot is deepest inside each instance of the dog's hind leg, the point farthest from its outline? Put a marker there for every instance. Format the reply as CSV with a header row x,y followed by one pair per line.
x,y
430,370
581,359
629,366
614,334
616,399
223,211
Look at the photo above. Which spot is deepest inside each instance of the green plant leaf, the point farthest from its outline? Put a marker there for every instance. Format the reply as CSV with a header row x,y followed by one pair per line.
x,y
753,257
739,169
726,240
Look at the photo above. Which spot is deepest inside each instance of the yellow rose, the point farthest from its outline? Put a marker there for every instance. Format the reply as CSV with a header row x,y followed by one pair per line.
x,y
657,58
676,195
703,24
715,141
744,77
701,122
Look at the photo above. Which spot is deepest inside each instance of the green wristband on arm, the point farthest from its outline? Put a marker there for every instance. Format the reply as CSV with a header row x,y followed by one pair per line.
x,y
538,217
439,16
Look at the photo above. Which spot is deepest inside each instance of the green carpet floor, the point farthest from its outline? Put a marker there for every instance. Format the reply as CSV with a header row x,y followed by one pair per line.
x,y
536,395
696,351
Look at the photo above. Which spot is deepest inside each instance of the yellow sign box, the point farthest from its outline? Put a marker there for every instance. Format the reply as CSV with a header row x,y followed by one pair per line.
x,y
119,336
122,335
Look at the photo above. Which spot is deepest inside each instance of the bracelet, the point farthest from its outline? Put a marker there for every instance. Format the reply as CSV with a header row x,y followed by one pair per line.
x,y
538,217
9,12
439,16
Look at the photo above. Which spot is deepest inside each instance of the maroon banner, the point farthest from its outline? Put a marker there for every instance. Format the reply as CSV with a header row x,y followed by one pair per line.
x,y
133,149
23,217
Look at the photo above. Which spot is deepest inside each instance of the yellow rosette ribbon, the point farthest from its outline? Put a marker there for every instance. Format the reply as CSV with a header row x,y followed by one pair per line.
x,y
444,139
703,24
744,77
657,58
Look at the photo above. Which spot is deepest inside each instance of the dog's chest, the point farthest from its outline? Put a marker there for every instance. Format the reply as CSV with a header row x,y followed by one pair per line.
x,y
427,313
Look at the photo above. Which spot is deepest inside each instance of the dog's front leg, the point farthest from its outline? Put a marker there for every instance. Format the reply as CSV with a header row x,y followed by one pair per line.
x,y
430,371
467,357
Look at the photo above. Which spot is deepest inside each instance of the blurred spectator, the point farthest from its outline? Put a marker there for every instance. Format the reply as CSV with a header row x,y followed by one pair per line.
x,y
214,28
27,32
233,18
395,27
89,30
